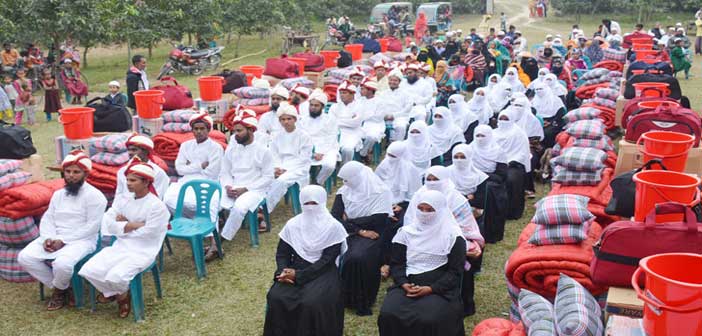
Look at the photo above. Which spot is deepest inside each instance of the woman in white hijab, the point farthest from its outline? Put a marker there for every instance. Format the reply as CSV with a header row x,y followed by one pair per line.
x,y
444,134
488,156
486,194
499,97
524,118
511,78
479,105
559,89
459,111
515,144
306,296
543,72
428,258
550,108
363,205
420,150
493,80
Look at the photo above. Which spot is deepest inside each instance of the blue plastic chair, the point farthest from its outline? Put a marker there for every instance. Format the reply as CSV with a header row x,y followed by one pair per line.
x,y
136,290
331,180
293,195
194,230
251,220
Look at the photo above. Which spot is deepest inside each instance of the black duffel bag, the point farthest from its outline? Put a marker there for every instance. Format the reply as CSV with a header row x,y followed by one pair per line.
x,y
15,142
673,84
624,191
109,117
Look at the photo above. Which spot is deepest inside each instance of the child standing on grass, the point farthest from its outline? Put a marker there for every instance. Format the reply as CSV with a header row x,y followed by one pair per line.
x,y
9,89
5,106
25,104
52,97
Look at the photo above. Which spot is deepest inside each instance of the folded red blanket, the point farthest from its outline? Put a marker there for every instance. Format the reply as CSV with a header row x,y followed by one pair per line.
x,y
537,268
598,194
103,177
167,144
29,199
498,327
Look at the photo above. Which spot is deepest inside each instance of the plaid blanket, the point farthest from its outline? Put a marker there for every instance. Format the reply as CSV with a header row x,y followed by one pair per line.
x,y
177,116
250,92
583,113
292,82
579,159
605,143
601,102
252,102
10,270
614,55
9,166
587,129
576,311
567,177
29,199
113,143
18,232
606,93
15,179
560,234
110,159
595,73
176,127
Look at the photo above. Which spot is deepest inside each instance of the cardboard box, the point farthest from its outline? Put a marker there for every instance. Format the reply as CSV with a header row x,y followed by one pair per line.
x,y
623,301
148,127
65,146
33,165
624,326
630,158
316,77
217,109
621,101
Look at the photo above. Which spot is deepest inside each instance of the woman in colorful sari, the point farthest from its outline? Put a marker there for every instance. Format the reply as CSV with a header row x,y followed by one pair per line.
x,y
72,82
500,54
444,84
575,60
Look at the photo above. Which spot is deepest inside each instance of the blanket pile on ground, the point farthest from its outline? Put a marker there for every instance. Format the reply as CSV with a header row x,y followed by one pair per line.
x,y
498,327
166,145
29,199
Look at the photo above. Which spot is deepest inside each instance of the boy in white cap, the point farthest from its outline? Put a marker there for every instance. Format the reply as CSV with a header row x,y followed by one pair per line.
x,y
142,147
323,131
349,118
268,123
373,116
115,97
396,105
381,69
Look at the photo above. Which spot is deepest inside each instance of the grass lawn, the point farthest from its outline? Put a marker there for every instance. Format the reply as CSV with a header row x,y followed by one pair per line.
x,y
231,299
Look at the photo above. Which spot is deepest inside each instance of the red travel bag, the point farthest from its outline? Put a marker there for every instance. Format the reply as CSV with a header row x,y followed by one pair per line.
x,y
664,118
176,96
622,244
632,108
281,68
313,62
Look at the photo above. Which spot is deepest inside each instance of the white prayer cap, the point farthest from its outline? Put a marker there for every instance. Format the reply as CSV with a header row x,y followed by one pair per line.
x,y
396,73
286,109
380,64
347,86
413,66
79,158
280,91
356,71
113,83
247,118
500,33
319,96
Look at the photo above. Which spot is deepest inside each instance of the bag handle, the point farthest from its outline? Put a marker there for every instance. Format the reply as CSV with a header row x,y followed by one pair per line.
x,y
650,163
672,208
93,100
169,79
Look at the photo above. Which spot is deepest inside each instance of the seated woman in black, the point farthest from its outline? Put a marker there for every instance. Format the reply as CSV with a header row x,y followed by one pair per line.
x,y
514,143
428,257
444,134
363,205
305,298
551,109
525,118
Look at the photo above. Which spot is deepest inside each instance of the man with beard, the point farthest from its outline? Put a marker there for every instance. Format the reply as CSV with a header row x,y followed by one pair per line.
x,y
396,106
349,118
291,150
142,147
68,231
268,123
381,68
419,92
198,158
298,98
139,223
247,173
354,77
323,131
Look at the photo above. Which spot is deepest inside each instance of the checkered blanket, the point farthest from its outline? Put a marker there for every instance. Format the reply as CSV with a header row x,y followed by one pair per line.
x,y
567,177
10,270
581,159
583,113
614,55
606,93
292,82
605,143
14,179
250,92
560,234
181,116
113,143
9,166
110,159
587,129
595,73
17,232
601,102
251,102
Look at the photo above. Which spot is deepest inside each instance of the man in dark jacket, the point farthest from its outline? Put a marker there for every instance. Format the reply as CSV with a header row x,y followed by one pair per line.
x,y
136,79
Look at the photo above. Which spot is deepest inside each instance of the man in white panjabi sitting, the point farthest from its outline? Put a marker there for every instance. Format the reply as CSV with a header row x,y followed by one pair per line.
x,y
418,91
268,124
373,117
198,158
246,175
142,147
139,223
323,132
396,105
68,231
381,71
349,118
298,99
291,150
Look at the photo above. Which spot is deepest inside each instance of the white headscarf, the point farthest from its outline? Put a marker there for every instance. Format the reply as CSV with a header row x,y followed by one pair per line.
x,y
490,85
552,82
312,231
486,152
499,96
420,150
513,141
464,175
400,175
364,193
545,102
444,133
479,106
543,72
428,238
511,78
459,111
524,118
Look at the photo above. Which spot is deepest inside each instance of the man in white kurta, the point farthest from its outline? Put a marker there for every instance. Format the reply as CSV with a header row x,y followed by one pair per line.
x,y
373,116
298,98
199,158
68,230
349,118
268,124
291,150
418,91
247,173
142,147
396,105
323,132
381,71
139,222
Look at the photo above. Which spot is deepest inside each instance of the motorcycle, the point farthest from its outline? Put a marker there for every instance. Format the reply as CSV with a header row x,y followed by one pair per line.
x,y
335,37
191,61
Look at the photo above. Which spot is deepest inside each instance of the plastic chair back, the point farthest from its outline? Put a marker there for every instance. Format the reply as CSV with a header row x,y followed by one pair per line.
x,y
204,193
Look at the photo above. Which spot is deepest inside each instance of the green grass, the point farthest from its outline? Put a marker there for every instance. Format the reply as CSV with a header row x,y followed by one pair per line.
x,y
231,299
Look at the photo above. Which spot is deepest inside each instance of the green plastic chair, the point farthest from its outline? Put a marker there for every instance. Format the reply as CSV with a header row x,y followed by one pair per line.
x,y
328,183
194,230
251,219
293,195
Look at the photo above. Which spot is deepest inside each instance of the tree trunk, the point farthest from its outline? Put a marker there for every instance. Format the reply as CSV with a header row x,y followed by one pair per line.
x,y
236,46
129,53
229,38
151,49
85,57
190,39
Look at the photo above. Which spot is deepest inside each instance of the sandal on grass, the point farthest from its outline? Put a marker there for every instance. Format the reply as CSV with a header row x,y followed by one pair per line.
x,y
101,298
125,305
70,297
57,300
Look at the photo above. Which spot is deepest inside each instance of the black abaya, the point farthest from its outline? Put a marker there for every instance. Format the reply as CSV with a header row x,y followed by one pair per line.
x,y
360,266
313,305
516,174
491,197
437,314
552,130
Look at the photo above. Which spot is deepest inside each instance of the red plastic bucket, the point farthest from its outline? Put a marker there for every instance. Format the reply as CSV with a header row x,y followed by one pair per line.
x,y
356,51
642,46
77,122
651,89
330,57
149,103
383,44
210,87
670,147
661,186
253,70
653,104
673,294
300,64
642,40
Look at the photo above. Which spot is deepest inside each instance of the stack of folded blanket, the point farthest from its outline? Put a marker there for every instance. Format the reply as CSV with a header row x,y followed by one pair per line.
x,y
104,178
338,75
605,97
29,199
290,83
11,176
561,219
166,145
252,96
579,166
110,150
177,121
497,326
15,234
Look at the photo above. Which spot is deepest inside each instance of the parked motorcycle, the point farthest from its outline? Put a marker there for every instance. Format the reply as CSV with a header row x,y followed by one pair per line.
x,y
191,61
335,37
